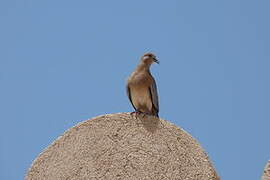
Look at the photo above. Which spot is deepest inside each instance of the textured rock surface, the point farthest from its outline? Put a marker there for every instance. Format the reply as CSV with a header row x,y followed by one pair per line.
x,y
119,146
266,172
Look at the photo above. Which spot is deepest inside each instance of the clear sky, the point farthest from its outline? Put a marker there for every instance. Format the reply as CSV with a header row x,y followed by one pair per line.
x,y
62,62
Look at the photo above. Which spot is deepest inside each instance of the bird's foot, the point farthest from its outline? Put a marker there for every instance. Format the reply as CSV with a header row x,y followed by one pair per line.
x,y
136,113
145,114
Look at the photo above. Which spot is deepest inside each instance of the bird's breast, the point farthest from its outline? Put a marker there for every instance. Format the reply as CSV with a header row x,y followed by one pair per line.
x,y
141,97
140,79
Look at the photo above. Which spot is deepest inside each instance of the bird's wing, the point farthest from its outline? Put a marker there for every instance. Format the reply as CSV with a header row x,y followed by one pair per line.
x,y
154,95
129,96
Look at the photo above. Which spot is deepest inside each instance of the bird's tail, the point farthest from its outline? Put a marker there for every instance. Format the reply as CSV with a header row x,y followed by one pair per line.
x,y
155,113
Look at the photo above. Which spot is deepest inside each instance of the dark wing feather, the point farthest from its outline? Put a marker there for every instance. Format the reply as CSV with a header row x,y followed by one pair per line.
x,y
129,96
154,96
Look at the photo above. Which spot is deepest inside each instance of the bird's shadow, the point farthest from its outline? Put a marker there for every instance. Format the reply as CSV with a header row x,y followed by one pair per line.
x,y
149,122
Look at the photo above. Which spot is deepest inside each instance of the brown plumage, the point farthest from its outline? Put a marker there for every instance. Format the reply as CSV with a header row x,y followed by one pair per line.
x,y
142,89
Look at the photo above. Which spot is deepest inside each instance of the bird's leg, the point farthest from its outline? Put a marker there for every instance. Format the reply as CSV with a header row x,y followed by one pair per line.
x,y
146,114
136,113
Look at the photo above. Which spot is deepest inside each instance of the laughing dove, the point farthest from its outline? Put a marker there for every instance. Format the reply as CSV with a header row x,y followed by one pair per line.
x,y
142,89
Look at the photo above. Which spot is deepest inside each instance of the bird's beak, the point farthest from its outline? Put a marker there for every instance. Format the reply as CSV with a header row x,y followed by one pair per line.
x,y
156,60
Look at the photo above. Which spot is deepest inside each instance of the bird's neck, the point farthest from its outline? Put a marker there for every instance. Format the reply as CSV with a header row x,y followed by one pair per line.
x,y
143,66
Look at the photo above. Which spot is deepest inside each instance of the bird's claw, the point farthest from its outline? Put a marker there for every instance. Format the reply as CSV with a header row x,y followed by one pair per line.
x,y
137,113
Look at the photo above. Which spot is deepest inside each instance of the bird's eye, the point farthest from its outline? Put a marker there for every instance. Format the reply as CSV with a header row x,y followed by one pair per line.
x,y
146,57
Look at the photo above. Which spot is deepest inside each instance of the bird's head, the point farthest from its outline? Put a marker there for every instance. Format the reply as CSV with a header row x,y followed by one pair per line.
x,y
149,58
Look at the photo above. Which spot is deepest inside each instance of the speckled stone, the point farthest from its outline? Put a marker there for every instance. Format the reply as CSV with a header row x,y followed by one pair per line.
x,y
266,172
123,146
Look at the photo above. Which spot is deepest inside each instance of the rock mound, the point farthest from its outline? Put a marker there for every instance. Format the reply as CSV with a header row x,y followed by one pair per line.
x,y
122,146
266,172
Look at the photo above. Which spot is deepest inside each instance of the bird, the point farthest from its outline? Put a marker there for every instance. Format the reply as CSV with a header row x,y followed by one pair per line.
x,y
142,89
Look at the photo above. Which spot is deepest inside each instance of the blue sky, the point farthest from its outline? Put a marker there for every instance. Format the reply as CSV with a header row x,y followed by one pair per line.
x,y
63,62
